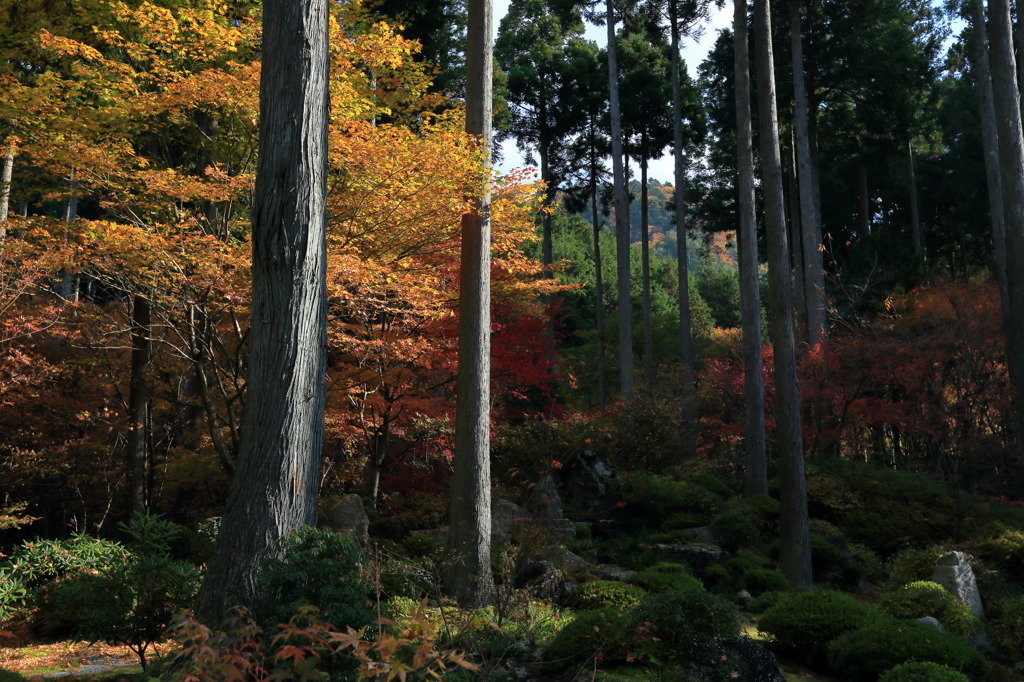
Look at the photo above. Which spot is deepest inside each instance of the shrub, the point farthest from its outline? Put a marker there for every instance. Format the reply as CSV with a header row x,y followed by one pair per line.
x,y
684,521
1008,626
711,483
765,601
760,580
805,622
650,499
763,511
733,530
11,676
922,671
319,568
1006,551
866,653
601,594
909,565
603,631
671,621
923,598
665,576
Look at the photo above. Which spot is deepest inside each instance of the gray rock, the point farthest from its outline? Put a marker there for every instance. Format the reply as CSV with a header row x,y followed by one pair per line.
x,y
698,557
955,574
702,534
734,658
505,518
563,529
610,572
350,518
588,484
934,622
564,560
545,502
743,597
543,579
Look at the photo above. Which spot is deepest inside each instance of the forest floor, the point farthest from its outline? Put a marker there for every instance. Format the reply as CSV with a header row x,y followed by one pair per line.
x,y
71,660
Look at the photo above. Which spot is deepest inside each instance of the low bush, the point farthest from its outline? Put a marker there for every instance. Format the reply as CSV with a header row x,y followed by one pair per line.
x,y
866,653
922,671
924,598
911,564
760,580
711,483
1007,552
649,499
733,530
805,622
604,631
1007,627
668,623
665,576
600,594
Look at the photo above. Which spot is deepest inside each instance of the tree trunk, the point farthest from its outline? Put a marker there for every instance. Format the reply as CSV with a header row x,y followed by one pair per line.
x,y
469,517
138,401
794,535
1011,162
547,246
274,488
915,217
865,203
621,218
815,303
679,199
645,257
602,371
69,280
800,293
756,478
5,191
990,146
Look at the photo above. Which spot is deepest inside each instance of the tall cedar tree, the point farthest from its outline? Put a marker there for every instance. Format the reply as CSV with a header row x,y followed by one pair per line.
x,y
275,484
794,534
469,516
756,480
1011,162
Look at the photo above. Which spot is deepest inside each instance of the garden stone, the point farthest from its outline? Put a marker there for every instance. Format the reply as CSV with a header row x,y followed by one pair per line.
x,y
955,574
610,572
350,518
734,658
743,598
589,485
702,534
699,557
545,503
543,579
934,622
564,560
506,516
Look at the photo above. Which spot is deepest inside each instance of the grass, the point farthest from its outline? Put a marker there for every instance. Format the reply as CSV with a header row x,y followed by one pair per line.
x,y
41,659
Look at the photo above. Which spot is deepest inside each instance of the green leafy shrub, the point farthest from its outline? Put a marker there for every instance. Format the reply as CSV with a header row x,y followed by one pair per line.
x,y
319,568
765,601
760,580
922,671
684,520
11,676
600,594
712,484
1007,626
733,530
650,499
924,598
605,631
763,511
13,593
38,562
665,576
132,601
1006,551
866,653
911,564
805,622
669,622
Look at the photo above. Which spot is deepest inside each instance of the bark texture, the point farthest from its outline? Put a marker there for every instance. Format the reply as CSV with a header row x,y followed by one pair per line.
x,y
138,401
794,534
5,190
756,477
602,371
645,264
469,518
274,488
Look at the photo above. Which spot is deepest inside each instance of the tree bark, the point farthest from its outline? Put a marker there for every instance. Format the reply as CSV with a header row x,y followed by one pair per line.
x,y
602,371
800,293
1006,96
794,534
469,517
138,401
621,218
865,202
645,258
990,146
547,245
274,488
5,191
756,477
813,278
915,216
679,199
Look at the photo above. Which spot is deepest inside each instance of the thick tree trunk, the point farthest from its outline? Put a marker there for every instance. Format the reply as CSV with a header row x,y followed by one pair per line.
x,y
621,218
1006,95
990,146
815,303
602,370
138,401
5,191
469,516
756,478
915,217
679,199
794,534
274,489
645,257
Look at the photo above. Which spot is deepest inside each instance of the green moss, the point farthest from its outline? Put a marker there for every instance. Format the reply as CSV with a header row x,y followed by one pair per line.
x,y
665,576
924,598
601,594
922,671
805,622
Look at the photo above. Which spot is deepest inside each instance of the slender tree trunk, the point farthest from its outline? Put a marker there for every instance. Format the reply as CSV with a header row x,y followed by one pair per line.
x,y
602,371
621,218
5,191
800,293
68,280
756,478
865,202
809,219
645,253
138,401
547,245
1006,95
274,489
679,199
990,145
794,534
915,217
469,516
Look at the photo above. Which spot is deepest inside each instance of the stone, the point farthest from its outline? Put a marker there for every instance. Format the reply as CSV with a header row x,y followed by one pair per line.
x,y
702,534
954,573
543,579
932,621
588,484
350,518
743,598
699,557
506,516
734,658
545,503
564,560
610,572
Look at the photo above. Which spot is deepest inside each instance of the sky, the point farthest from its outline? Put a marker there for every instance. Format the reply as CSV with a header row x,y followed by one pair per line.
x,y
693,52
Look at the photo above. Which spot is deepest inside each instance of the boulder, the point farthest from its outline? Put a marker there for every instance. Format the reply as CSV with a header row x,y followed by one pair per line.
x,y
505,518
699,557
564,560
932,621
349,517
955,574
610,572
545,503
588,484
734,658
